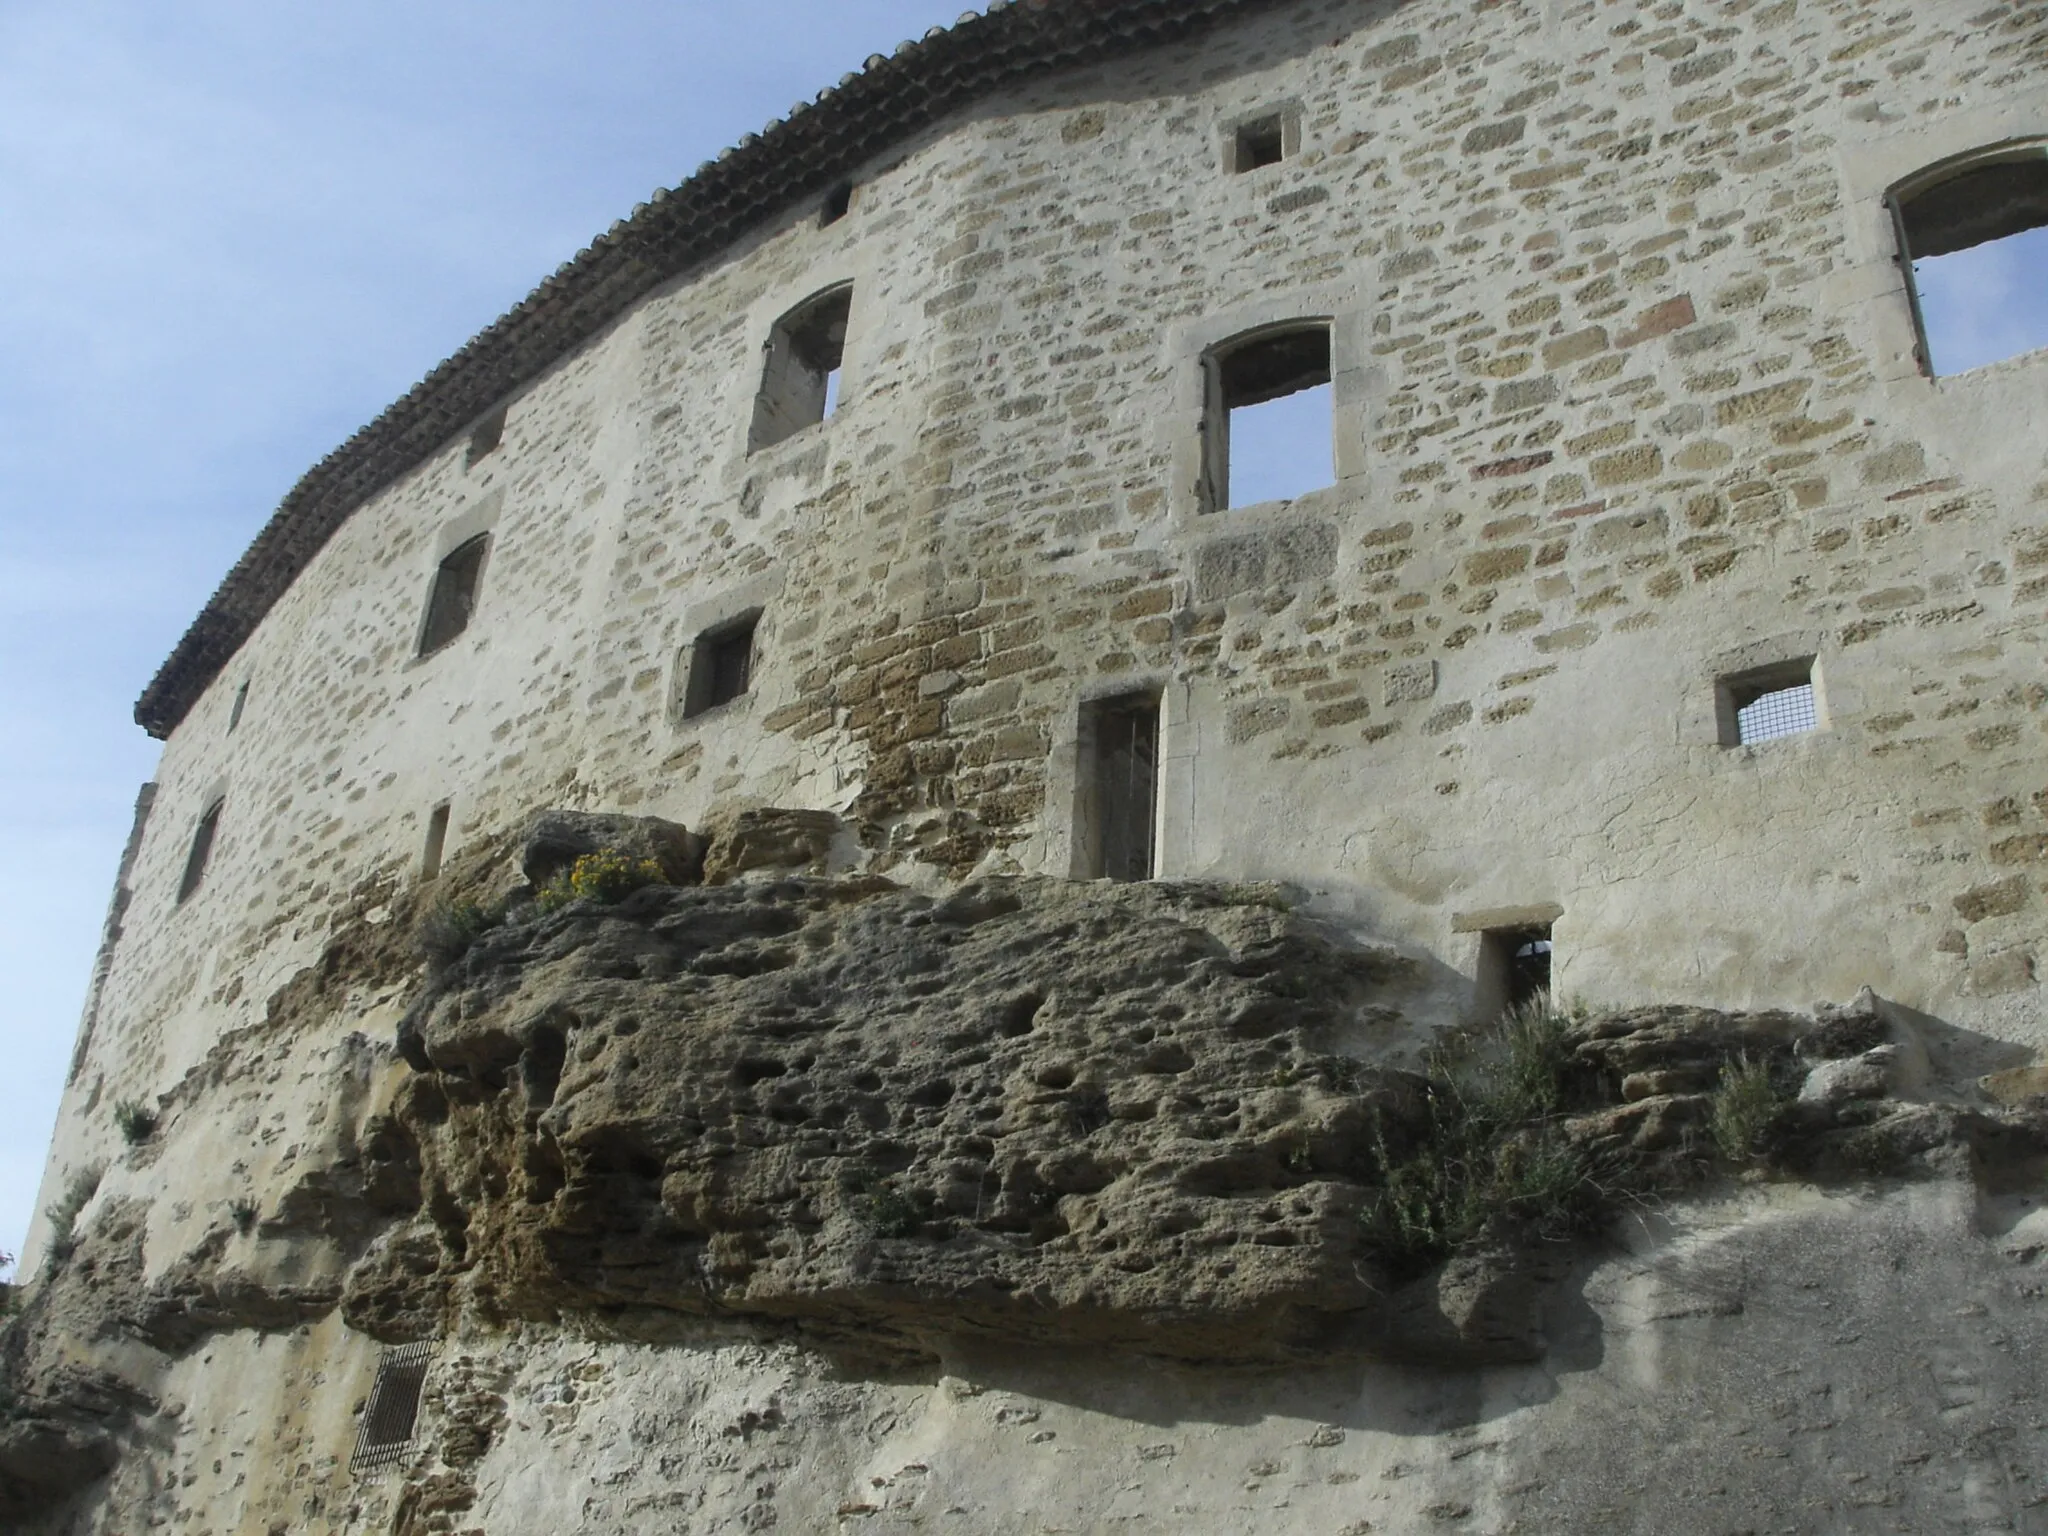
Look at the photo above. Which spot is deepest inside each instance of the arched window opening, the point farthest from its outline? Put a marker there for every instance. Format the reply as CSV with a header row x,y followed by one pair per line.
x,y
1974,239
453,599
201,849
1514,969
1269,430
800,377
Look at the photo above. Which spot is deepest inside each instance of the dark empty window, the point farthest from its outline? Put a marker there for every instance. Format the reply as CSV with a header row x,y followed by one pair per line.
x,y
241,703
437,840
200,851
800,376
1119,788
1975,242
1767,702
1262,141
485,438
838,203
392,1413
453,598
721,665
1514,968
1269,427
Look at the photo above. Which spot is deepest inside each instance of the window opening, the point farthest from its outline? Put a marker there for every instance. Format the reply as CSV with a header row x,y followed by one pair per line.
x,y
1514,968
1767,703
1270,423
1261,142
1975,245
201,850
391,1415
437,840
800,377
453,599
1120,787
721,665
241,702
485,439
838,203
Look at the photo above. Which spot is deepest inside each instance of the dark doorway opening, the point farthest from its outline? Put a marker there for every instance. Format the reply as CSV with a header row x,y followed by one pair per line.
x,y
1119,787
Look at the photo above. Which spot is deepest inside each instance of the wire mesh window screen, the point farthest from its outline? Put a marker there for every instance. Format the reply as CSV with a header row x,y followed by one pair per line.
x,y
1781,712
392,1413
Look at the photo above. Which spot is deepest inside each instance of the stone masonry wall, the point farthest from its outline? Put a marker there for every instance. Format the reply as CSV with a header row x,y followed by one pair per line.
x,y
1626,394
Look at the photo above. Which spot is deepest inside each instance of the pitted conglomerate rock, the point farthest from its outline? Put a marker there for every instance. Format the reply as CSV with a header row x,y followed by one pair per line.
x,y
1033,1109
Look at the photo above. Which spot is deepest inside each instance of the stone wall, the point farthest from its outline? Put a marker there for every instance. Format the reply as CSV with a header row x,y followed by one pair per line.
x,y
1626,396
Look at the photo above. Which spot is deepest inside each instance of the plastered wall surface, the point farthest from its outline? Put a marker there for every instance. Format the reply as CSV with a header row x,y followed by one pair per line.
x,y
1626,399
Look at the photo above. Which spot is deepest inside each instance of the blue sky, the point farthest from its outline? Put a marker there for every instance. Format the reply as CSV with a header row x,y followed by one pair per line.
x,y
230,233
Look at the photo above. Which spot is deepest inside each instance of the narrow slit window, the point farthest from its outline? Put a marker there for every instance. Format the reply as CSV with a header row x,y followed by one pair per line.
x,y
452,601
721,666
1270,424
1767,703
1975,245
391,1415
241,703
437,841
484,440
1259,142
800,375
838,203
201,849
1514,969
1119,788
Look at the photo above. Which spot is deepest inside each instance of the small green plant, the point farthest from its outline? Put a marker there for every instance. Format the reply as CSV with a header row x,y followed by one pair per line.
x,y
605,877
450,927
243,1212
62,1214
1747,1103
881,1207
136,1120
1492,1149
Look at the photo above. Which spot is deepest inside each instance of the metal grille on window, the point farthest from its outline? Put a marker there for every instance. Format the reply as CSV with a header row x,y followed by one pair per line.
x,y
1781,712
392,1413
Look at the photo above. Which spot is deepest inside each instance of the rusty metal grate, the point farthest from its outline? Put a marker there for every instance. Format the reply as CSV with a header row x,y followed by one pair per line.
x,y
392,1413
1781,712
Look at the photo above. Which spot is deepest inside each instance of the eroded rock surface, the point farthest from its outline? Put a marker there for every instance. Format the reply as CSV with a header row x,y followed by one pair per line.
x,y
1032,1109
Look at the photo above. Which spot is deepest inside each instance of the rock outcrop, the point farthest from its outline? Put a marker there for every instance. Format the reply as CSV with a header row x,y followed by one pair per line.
x,y
1176,1120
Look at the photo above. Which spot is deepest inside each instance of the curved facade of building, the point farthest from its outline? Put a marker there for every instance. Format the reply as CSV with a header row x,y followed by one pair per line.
x,y
1636,587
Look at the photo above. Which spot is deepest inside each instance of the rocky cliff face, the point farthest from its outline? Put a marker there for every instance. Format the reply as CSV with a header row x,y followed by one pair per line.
x,y
1167,1123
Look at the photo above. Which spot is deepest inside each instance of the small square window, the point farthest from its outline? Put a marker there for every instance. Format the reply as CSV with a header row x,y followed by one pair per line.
x,y
838,203
484,440
1768,702
1260,142
452,600
721,666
